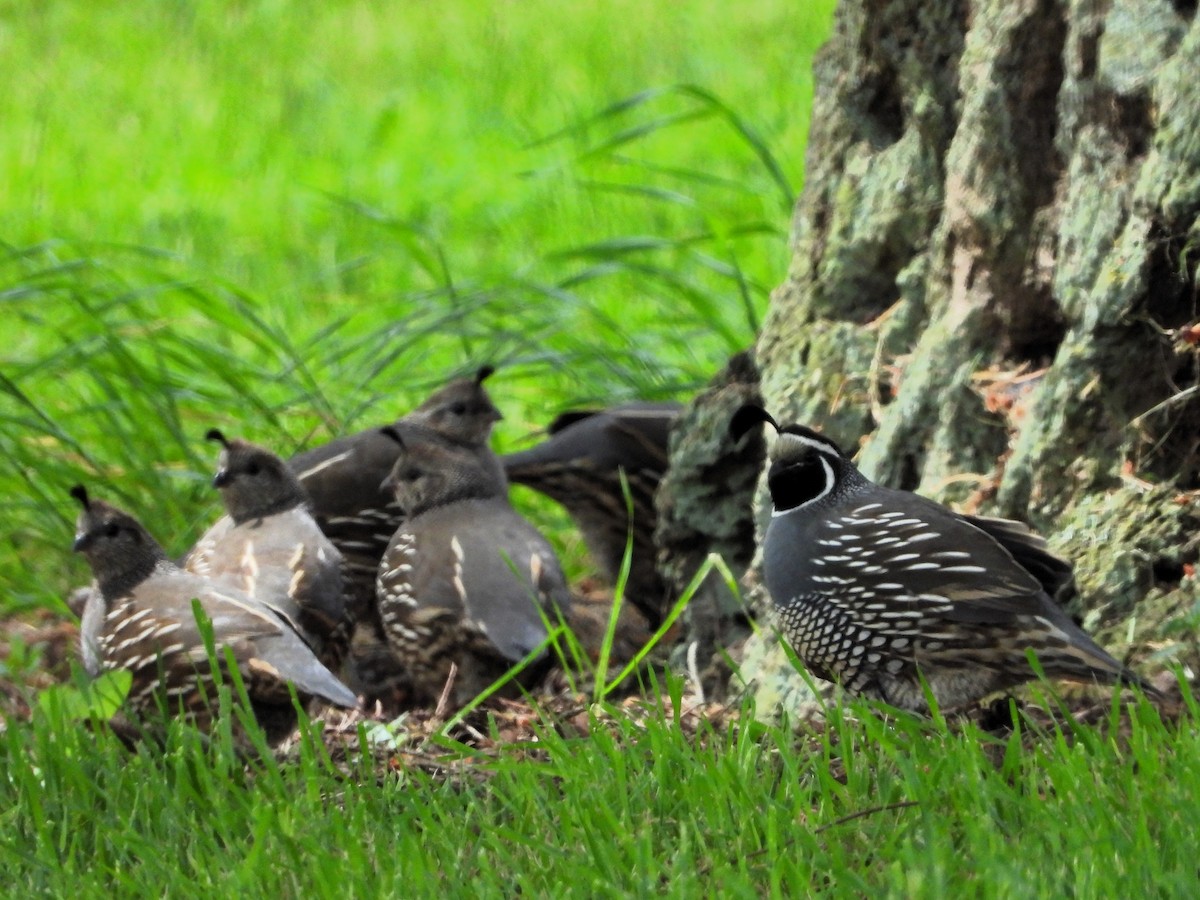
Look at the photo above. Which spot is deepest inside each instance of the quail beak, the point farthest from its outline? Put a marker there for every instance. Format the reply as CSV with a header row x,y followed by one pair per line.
x,y
83,540
222,478
388,486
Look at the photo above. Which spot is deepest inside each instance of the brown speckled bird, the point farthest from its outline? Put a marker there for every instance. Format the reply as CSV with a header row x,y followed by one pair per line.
x,y
875,588
343,477
270,547
343,480
142,620
465,579
579,466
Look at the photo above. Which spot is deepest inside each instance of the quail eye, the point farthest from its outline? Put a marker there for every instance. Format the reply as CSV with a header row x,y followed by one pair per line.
x,y
253,469
112,529
459,409
412,474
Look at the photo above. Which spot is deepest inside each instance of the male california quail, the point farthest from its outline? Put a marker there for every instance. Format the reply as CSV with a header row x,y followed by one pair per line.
x,y
343,480
465,579
142,620
579,466
269,546
876,588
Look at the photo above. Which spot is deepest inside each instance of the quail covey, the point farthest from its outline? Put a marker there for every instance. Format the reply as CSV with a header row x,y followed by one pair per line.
x,y
142,620
465,579
269,546
343,479
875,588
579,466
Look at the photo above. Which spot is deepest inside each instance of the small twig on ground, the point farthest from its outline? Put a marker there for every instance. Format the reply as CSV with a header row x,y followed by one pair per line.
x,y
693,667
443,703
862,813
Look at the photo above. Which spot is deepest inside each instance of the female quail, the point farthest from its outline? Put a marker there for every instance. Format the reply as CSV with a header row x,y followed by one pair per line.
x,y
343,480
465,579
343,477
269,546
876,588
141,619
580,465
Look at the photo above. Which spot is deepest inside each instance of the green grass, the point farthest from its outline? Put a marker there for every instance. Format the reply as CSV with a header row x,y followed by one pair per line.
x,y
640,806
293,218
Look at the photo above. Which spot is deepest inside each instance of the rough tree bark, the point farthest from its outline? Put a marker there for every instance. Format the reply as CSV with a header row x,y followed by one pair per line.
x,y
994,286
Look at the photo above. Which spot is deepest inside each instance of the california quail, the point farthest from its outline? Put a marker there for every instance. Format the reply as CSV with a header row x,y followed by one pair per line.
x,y
142,620
461,411
579,466
269,546
465,579
876,588
343,480
343,477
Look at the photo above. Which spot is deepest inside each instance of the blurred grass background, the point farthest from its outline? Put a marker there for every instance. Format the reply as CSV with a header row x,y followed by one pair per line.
x,y
290,219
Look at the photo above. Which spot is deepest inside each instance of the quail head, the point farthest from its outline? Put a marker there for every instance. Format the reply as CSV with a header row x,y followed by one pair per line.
x,y
343,480
270,547
580,466
877,588
142,620
461,411
465,579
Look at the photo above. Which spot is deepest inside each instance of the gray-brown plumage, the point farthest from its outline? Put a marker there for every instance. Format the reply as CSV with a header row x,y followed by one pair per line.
x,y
876,588
465,579
580,466
343,477
343,480
142,620
270,547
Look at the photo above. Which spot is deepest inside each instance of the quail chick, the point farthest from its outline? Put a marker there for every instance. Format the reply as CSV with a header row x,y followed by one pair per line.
x,y
343,480
141,619
270,547
875,588
465,579
580,465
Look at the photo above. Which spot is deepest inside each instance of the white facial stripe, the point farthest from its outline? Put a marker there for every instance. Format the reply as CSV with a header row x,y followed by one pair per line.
x,y
820,446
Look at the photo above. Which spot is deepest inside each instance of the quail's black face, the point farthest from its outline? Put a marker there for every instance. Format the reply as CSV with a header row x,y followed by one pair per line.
x,y
461,411
805,466
253,481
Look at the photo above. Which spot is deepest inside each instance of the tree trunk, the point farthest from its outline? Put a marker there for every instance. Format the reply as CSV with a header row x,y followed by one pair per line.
x,y
994,281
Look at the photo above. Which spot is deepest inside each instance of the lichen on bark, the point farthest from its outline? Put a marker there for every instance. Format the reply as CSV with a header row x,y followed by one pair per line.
x,y
704,506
